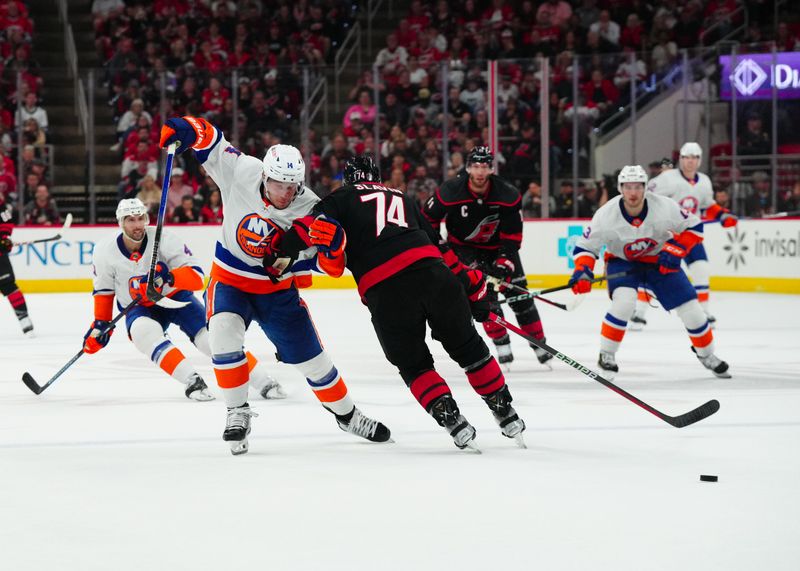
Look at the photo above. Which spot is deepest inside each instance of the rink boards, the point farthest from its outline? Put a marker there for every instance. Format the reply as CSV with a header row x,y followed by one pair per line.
x,y
756,255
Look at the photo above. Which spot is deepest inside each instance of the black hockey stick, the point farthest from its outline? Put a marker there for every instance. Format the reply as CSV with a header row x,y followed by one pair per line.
x,y
64,228
152,293
524,293
698,414
37,389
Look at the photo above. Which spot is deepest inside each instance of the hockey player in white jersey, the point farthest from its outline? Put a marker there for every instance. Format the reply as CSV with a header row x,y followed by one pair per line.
x,y
262,199
121,264
693,191
647,236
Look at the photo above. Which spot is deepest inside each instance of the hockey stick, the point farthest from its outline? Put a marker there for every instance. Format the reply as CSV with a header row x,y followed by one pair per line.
x,y
152,294
765,217
64,228
698,414
37,389
527,294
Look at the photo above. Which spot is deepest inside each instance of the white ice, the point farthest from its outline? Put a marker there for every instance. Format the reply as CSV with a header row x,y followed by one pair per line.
x,y
113,468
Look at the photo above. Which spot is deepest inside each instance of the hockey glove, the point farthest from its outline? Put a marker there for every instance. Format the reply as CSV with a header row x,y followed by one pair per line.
x,y
328,236
6,244
275,262
161,277
669,260
728,220
581,280
97,337
478,294
189,131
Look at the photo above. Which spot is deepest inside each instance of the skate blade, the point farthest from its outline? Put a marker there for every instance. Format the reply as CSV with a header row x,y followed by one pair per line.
x,y
201,396
239,447
506,367
520,441
724,375
274,393
470,447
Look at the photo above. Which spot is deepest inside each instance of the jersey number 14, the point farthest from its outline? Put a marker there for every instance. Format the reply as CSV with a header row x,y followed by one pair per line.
x,y
395,214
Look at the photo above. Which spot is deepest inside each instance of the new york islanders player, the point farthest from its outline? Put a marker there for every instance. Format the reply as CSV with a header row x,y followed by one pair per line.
x,y
261,199
693,191
121,264
647,236
391,249
8,282
482,215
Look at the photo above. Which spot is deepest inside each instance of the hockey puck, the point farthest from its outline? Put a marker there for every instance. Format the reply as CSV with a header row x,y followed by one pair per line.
x,y
707,478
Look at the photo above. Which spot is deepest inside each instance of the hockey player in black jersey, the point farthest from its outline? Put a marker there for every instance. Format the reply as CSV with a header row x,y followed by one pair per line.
x,y
481,212
8,283
382,237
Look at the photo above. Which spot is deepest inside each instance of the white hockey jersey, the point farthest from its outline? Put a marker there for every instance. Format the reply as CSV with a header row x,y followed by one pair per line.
x,y
638,238
118,271
696,195
251,223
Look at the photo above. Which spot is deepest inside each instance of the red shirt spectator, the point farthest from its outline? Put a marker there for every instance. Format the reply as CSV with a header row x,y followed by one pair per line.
x,y
632,33
600,91
207,59
214,96
498,15
418,19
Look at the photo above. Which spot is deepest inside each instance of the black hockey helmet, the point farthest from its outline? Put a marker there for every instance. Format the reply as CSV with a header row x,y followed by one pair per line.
x,y
480,154
361,168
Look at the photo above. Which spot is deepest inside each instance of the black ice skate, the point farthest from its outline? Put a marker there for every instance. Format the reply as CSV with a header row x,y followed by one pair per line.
x,y
27,326
444,411
608,364
365,427
197,389
714,364
237,428
636,322
541,354
511,425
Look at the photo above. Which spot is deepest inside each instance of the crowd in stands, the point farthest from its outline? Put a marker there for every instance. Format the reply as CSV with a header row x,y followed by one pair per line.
x,y
23,120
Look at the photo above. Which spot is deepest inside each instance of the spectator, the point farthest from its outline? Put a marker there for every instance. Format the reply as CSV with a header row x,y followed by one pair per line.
x,y
791,201
211,213
178,190
260,117
32,110
395,112
32,133
214,98
392,58
32,181
588,14
186,212
754,141
557,12
601,92
129,119
589,200
564,200
150,195
365,109
759,203
42,210
422,186
8,184
397,180
473,96
629,69
607,28
632,35
723,198
144,152
532,201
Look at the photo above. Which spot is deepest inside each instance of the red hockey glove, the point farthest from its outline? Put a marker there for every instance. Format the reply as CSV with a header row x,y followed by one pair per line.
x,y
581,280
728,220
503,268
669,260
328,236
97,337
477,293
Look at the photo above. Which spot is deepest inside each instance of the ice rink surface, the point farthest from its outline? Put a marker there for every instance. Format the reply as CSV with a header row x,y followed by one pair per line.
x,y
113,468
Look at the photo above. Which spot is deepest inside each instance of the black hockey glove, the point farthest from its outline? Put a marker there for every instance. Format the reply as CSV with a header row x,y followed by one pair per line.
x,y
5,244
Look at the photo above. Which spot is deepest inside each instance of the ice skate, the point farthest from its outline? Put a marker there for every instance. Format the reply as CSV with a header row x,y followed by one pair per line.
x,y
511,425
504,355
197,389
444,411
237,428
365,427
636,322
543,356
272,390
712,321
714,364
27,326
608,364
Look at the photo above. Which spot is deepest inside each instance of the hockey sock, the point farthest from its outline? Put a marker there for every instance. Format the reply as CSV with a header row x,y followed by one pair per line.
x,y
427,387
172,361
327,384
496,332
486,377
232,373
17,301
615,322
696,323
534,329
643,299
700,272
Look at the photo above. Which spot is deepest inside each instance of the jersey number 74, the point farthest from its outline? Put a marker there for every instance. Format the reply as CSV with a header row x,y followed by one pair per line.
x,y
395,213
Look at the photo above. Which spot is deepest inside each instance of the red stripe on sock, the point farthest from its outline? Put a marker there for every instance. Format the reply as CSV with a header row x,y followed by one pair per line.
x,y
428,386
487,379
16,298
535,329
493,330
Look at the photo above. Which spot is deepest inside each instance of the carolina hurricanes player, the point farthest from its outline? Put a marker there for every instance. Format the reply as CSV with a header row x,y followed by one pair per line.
x,y
121,264
8,283
647,236
693,191
261,199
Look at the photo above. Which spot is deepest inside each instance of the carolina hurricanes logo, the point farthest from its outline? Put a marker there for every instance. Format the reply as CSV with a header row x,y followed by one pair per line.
x,y
689,203
639,248
485,230
254,234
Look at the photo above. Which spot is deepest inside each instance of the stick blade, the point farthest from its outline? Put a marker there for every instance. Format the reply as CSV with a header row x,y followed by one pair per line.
x,y
696,415
31,383
67,222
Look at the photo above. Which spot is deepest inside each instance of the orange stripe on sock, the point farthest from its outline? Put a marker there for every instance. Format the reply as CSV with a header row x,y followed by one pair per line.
x,y
703,340
210,299
702,296
612,333
232,378
642,295
171,360
334,393
251,361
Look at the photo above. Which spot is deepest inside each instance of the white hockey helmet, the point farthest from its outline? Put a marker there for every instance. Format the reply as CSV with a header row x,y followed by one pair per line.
x,y
284,163
631,173
130,207
692,150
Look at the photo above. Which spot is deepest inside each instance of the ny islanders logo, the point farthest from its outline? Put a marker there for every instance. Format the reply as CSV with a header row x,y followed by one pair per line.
x,y
639,248
690,204
254,234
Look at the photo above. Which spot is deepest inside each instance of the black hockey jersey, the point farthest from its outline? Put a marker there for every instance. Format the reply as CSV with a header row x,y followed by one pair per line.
x,y
6,219
489,222
386,232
